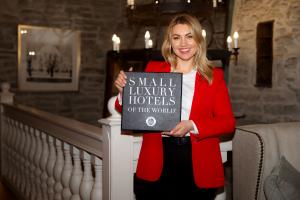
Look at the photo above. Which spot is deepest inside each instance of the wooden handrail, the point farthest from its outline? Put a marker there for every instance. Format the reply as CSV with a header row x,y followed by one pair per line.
x,y
82,135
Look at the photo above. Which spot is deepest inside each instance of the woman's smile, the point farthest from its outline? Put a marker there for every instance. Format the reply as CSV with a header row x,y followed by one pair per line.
x,y
184,50
183,43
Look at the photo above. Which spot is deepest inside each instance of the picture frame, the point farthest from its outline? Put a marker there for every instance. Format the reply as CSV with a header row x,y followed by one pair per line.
x,y
48,59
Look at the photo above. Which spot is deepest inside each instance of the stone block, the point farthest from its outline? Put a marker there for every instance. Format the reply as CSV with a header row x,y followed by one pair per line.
x,y
279,109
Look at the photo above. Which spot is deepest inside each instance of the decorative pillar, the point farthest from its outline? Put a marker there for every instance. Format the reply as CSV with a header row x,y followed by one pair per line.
x,y
66,172
96,193
117,158
6,96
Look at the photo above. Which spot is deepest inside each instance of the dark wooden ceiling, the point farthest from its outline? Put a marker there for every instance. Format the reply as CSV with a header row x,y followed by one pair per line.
x,y
160,14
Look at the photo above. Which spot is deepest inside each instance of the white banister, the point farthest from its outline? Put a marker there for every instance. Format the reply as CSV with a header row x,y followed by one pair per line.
x,y
117,160
115,115
37,149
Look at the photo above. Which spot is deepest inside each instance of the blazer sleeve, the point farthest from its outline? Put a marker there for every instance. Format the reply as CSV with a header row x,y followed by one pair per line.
x,y
221,120
118,106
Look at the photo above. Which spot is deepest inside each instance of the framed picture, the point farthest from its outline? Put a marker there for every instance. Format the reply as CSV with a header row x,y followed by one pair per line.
x,y
48,59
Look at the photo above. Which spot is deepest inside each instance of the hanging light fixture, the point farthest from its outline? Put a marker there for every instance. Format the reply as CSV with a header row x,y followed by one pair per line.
x,y
130,3
160,11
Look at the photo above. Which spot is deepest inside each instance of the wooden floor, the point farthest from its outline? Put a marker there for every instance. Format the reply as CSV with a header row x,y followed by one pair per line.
x,y
5,193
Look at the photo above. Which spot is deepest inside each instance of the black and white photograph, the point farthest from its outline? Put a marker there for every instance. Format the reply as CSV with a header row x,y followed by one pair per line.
x,y
49,59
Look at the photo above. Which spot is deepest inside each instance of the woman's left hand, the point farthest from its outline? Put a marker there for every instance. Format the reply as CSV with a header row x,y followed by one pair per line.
x,y
182,128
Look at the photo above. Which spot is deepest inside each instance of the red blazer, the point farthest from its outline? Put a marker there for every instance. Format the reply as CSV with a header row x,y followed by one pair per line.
x,y
211,112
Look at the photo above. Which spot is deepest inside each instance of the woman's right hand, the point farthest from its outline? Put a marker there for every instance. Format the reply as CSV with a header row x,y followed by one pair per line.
x,y
120,82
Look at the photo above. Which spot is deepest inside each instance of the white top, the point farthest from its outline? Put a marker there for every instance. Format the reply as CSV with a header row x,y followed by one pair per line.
x,y
188,88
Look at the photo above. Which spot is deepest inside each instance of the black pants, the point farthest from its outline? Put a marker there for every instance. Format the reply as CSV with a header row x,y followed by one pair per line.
x,y
176,181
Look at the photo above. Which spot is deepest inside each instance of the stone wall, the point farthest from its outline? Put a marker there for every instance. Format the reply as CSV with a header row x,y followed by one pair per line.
x,y
282,101
97,20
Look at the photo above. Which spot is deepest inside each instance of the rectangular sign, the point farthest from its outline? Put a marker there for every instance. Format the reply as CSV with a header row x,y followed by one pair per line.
x,y
151,101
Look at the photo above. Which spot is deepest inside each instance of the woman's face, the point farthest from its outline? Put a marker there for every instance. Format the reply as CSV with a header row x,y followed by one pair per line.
x,y
183,43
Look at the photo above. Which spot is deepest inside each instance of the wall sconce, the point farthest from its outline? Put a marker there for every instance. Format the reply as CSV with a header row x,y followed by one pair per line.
x,y
235,53
235,50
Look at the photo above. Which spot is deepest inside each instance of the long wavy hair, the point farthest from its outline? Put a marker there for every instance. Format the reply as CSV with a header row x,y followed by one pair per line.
x,y
202,64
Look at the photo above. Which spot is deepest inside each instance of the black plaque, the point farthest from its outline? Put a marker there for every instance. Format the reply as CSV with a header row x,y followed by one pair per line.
x,y
151,101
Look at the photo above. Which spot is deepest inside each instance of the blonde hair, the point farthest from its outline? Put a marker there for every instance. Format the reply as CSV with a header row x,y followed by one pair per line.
x,y
203,65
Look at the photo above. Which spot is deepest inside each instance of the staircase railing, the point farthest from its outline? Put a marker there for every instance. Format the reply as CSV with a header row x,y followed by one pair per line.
x,y
45,156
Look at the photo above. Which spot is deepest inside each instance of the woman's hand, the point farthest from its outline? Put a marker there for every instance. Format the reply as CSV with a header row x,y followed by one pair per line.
x,y
182,128
120,82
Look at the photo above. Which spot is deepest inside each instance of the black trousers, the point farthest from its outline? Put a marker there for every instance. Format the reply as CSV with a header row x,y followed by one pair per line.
x,y
176,181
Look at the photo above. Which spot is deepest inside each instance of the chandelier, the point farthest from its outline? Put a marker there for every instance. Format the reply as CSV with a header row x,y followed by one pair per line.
x,y
160,12
149,12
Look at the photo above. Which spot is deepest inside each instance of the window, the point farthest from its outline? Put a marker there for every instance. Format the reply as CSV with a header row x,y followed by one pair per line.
x,y
264,54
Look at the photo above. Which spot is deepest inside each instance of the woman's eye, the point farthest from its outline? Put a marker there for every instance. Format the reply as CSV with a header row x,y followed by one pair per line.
x,y
175,38
190,37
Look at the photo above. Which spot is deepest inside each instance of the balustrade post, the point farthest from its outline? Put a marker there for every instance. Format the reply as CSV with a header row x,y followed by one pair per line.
x,y
5,97
27,162
76,175
59,164
14,153
20,157
50,168
96,193
117,158
32,166
23,159
10,135
37,158
43,164
66,173
87,179
5,148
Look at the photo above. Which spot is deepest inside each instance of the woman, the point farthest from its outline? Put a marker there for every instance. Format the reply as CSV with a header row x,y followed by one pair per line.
x,y
185,163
